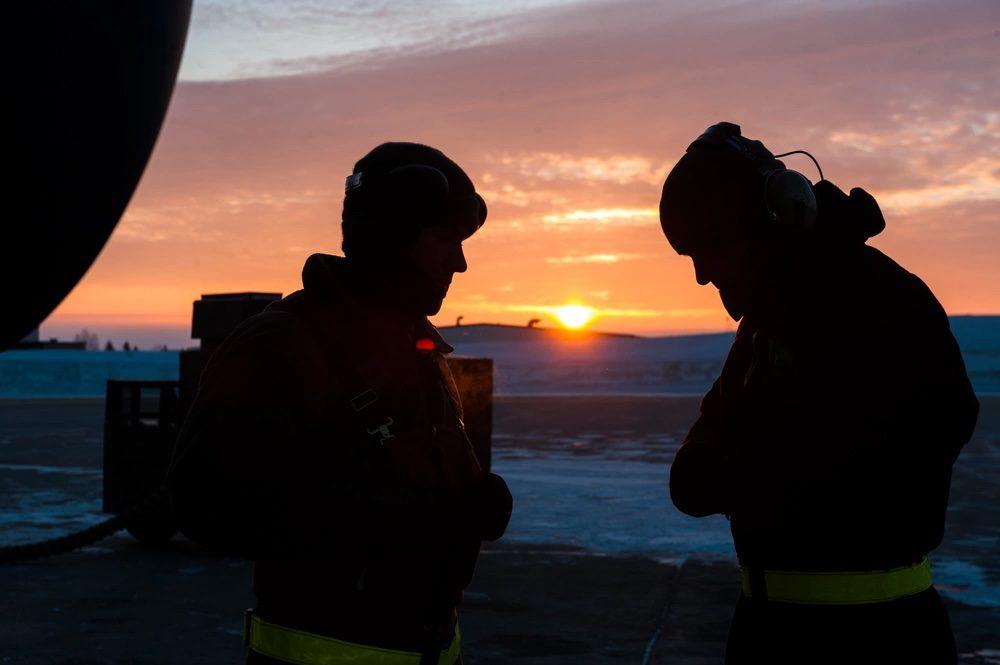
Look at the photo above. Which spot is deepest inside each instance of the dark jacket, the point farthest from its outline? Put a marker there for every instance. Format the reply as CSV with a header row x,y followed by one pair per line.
x,y
830,435
367,541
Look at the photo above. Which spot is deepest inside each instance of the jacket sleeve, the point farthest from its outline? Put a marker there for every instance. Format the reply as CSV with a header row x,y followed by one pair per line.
x,y
936,392
701,475
251,475
706,470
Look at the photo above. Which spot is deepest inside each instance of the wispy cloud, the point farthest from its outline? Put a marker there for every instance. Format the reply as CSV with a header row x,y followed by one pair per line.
x,y
241,39
184,218
980,181
592,258
948,159
548,166
553,310
618,216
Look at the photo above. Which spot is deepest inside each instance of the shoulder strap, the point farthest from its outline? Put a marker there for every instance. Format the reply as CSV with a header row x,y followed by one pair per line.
x,y
450,387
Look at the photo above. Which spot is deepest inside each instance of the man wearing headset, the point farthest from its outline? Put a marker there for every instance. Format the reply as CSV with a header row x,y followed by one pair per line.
x,y
326,440
828,439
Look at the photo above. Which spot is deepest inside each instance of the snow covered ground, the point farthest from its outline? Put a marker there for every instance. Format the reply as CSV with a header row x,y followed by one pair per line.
x,y
614,501
607,492
602,489
525,362
58,373
646,365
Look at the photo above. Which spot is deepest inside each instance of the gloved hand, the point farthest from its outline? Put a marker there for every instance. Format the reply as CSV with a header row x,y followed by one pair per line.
x,y
489,505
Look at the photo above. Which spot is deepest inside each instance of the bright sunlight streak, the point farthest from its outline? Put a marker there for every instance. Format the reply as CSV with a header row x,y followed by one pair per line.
x,y
574,316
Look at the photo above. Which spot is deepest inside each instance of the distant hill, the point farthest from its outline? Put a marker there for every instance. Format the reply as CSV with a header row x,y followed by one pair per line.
x,y
478,333
551,360
548,360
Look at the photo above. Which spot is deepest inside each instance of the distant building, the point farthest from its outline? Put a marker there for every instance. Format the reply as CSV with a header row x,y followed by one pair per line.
x,y
33,341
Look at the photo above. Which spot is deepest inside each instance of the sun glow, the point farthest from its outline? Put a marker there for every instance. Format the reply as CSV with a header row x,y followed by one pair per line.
x,y
574,316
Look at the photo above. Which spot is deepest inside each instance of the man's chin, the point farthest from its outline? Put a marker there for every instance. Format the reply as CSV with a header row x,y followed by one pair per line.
x,y
732,305
432,305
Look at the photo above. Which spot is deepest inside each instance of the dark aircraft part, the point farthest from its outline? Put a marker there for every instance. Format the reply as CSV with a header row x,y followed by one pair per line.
x,y
85,97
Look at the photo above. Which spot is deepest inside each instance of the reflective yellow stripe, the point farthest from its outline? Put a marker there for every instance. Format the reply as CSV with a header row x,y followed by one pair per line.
x,y
844,588
302,648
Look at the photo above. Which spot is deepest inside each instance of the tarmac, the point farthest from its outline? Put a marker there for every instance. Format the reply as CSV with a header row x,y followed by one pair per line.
x,y
554,591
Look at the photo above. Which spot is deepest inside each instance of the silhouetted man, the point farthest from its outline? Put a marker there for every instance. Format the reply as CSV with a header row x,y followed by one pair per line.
x,y
829,438
326,440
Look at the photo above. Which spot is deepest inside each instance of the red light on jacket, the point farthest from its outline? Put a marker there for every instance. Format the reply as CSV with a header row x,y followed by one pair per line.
x,y
425,344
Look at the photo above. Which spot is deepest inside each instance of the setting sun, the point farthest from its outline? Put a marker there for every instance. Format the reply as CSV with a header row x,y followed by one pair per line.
x,y
574,316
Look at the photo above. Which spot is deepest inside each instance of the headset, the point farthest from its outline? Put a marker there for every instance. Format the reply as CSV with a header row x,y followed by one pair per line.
x,y
787,195
413,183
412,188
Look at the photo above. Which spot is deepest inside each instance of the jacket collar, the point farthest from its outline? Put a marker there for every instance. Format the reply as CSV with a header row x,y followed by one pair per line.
x,y
426,329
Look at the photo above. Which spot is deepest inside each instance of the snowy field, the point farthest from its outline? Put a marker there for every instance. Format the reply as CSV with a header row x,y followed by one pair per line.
x,y
607,491
587,472
542,365
58,373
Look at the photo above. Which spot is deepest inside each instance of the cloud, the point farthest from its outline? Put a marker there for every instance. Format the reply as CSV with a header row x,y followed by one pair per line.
x,y
615,169
183,219
245,39
976,182
952,159
593,258
602,216
553,310
690,313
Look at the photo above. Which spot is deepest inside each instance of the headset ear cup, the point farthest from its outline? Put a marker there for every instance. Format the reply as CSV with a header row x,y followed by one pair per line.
x,y
414,190
418,181
790,199
482,209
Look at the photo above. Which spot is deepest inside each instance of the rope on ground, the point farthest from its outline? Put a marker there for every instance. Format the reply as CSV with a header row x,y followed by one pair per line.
x,y
663,618
74,541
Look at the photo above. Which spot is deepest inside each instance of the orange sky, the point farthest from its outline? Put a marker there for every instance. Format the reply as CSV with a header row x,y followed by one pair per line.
x,y
568,119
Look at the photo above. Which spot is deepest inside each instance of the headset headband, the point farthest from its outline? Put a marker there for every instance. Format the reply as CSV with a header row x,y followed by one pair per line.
x,y
726,135
408,176
784,193
421,185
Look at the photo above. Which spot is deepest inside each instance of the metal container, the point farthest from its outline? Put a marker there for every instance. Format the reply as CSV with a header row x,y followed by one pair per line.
x,y
474,379
141,421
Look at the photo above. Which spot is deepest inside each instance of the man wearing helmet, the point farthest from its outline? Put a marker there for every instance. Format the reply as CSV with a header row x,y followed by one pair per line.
x,y
828,439
326,441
